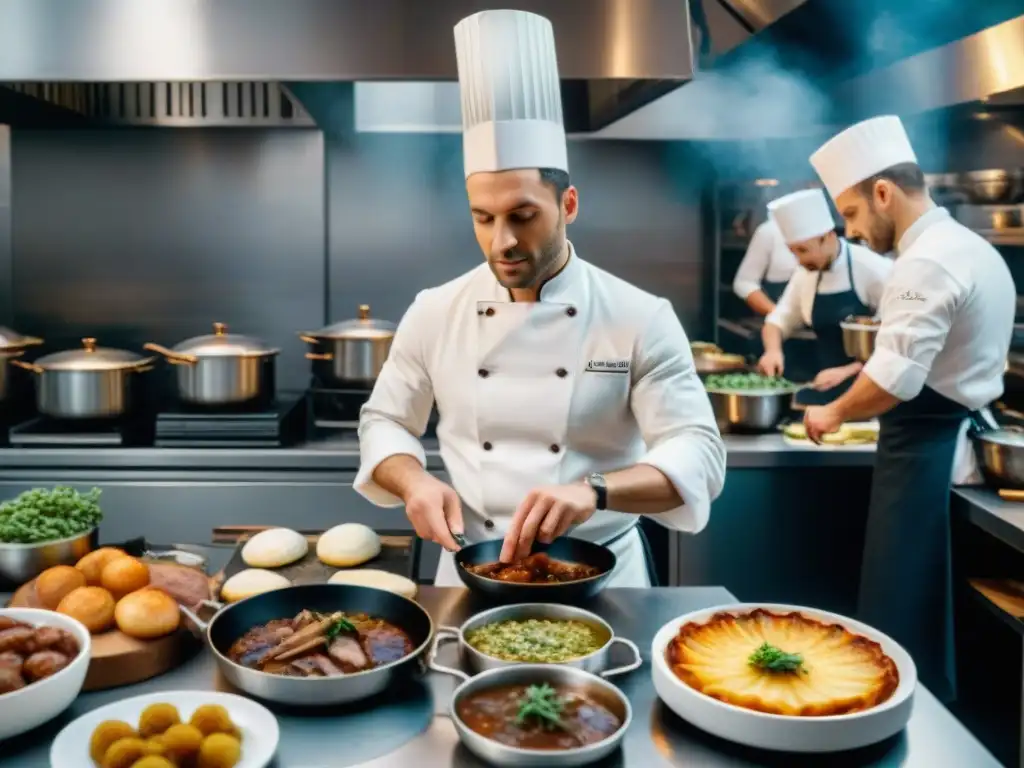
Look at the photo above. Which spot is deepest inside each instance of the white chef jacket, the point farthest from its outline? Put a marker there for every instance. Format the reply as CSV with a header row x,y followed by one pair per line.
x,y
767,258
947,319
870,273
595,376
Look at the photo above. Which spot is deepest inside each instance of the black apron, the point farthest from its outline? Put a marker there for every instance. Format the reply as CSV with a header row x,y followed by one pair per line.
x,y
827,312
906,577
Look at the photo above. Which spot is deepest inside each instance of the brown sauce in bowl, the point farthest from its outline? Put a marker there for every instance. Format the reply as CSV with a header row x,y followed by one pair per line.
x,y
498,714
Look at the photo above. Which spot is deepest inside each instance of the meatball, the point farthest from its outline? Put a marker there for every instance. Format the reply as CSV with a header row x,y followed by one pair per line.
x,y
11,679
6,622
11,659
43,664
18,639
54,639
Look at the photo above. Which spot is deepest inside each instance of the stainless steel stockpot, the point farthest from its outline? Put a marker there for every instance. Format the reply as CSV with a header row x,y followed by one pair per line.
x,y
12,346
352,351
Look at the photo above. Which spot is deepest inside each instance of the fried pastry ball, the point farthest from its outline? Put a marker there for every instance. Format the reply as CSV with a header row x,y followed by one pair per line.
x,y
212,718
107,733
181,742
153,761
157,718
219,751
124,753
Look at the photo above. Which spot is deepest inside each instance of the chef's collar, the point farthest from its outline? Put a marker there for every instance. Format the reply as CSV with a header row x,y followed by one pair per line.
x,y
563,287
839,256
934,216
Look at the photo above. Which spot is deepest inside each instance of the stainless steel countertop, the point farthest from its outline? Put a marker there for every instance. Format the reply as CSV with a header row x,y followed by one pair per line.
x,y
982,506
342,455
410,727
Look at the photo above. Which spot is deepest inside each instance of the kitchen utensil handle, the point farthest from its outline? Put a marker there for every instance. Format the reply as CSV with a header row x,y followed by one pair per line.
x,y
635,664
1011,494
442,636
193,615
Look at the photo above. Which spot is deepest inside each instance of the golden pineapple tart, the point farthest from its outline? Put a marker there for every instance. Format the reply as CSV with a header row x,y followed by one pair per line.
x,y
157,718
124,752
181,742
783,664
219,750
107,733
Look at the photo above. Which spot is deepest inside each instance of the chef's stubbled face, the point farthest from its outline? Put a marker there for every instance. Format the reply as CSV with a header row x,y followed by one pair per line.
x,y
815,253
519,224
867,218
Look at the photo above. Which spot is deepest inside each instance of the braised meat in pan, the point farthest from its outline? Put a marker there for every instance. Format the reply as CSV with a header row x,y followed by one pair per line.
x,y
29,653
321,645
535,569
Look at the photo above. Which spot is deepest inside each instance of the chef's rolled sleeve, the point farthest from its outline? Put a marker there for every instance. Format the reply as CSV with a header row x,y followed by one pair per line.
x,y
396,413
678,425
917,311
786,315
755,263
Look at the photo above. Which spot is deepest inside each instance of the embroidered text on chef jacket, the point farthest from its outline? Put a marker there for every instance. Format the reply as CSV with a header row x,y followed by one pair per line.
x,y
767,258
870,273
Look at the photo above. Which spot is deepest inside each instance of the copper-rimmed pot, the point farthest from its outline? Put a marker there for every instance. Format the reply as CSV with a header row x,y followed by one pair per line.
x,y
88,383
352,351
12,346
221,368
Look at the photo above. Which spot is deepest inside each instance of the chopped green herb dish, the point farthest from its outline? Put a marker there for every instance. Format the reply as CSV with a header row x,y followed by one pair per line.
x,y
41,515
772,659
746,381
536,641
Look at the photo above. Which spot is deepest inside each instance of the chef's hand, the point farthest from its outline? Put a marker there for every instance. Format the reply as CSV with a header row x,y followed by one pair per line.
x,y
821,420
545,514
831,377
772,363
434,510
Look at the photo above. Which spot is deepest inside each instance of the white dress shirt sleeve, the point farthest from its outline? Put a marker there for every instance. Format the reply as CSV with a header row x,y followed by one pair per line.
x,y
917,310
787,315
870,273
674,415
397,411
755,262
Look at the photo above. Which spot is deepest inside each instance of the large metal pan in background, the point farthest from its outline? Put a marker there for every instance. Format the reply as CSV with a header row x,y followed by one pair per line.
x,y
566,548
233,621
12,346
1000,454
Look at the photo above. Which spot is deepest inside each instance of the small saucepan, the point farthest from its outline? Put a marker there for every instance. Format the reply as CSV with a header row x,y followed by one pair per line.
x,y
565,548
596,661
352,351
233,621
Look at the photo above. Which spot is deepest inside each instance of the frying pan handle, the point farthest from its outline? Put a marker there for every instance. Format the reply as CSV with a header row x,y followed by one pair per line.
x,y
635,664
441,636
193,615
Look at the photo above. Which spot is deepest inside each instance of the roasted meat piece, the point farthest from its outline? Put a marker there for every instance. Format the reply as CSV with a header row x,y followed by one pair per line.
x,y
537,568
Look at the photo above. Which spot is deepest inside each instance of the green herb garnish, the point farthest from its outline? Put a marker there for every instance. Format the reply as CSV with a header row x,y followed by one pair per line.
x,y
43,515
340,625
542,703
773,659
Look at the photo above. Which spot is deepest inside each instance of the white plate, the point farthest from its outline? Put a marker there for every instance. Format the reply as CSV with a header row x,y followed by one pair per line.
x,y
781,732
260,732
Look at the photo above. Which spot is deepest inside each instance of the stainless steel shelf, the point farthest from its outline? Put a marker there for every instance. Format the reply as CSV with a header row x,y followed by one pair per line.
x,y
1011,237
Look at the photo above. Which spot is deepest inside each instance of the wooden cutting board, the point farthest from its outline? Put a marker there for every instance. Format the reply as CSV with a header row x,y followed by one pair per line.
x,y
118,659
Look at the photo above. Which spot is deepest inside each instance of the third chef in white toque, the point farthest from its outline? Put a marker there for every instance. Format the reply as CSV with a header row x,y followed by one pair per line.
x,y
568,399
765,269
946,321
835,280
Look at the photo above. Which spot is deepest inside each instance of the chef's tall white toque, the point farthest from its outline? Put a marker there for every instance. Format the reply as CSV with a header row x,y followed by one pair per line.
x,y
861,151
802,215
510,91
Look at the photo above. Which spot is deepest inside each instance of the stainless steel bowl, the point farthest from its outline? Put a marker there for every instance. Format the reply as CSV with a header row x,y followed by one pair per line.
x,y
20,563
993,187
750,411
477,661
719,362
1000,453
859,334
495,753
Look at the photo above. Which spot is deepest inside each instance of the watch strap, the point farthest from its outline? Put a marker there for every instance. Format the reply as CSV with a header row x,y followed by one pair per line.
x,y
597,482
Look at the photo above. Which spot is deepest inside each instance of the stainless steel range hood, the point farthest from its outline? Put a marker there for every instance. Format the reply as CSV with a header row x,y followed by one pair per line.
x,y
181,62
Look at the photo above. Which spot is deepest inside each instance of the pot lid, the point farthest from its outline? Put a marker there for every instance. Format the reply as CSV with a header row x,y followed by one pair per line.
x,y
1010,436
220,343
362,327
13,340
90,358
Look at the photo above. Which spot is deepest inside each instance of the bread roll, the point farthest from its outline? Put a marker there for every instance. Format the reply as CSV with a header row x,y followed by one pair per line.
x,y
92,565
147,613
123,575
252,581
348,544
54,583
371,577
93,606
274,548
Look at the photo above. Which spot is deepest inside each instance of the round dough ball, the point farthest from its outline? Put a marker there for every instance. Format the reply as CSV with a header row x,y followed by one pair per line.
x,y
93,606
371,577
348,544
107,733
157,718
212,718
219,750
153,761
54,583
124,575
147,614
181,743
92,565
274,548
124,753
252,581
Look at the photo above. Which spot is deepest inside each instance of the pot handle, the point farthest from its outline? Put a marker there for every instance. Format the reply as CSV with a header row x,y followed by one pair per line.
x,y
442,636
172,356
309,339
635,664
315,356
27,366
193,615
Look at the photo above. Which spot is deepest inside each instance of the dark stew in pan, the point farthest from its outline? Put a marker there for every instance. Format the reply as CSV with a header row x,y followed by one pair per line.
x,y
538,716
535,569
